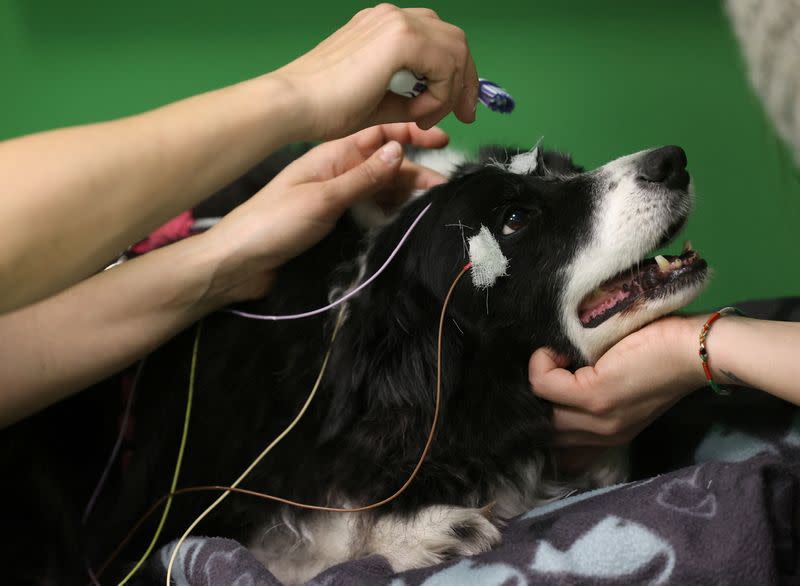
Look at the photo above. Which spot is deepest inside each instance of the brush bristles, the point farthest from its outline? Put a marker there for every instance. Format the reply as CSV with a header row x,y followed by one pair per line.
x,y
494,97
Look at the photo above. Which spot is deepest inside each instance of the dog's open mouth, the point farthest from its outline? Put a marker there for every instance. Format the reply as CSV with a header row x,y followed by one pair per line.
x,y
651,278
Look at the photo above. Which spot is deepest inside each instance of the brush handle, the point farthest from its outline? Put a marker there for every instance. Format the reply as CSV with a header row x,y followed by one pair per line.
x,y
407,83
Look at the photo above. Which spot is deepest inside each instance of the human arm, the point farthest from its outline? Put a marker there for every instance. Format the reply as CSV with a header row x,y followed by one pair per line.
x,y
74,198
62,344
650,370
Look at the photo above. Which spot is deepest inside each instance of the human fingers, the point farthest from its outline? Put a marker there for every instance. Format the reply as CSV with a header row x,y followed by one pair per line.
x,y
403,132
410,178
468,101
336,157
410,133
342,82
414,176
441,56
444,105
613,424
463,90
551,381
363,180
606,424
423,12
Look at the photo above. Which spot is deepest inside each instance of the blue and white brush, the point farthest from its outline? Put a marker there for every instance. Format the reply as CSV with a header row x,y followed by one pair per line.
x,y
491,95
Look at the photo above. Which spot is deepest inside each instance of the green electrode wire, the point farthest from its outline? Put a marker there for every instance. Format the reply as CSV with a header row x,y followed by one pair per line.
x,y
181,449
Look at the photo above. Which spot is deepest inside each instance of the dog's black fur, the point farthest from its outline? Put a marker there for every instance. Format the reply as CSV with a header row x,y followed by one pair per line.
x,y
366,429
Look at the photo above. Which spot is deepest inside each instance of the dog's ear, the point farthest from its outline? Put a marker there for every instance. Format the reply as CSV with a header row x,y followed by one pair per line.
x,y
558,163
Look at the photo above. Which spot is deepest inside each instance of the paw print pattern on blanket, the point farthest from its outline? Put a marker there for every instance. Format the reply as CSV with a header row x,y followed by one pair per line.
x,y
688,497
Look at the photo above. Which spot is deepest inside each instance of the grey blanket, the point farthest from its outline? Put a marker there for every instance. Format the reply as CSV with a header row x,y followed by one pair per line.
x,y
731,516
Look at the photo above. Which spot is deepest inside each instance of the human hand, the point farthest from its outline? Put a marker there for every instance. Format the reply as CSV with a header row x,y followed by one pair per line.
x,y
633,383
342,82
303,203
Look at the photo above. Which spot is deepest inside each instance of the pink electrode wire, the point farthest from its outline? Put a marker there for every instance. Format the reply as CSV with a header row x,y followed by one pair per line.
x,y
346,296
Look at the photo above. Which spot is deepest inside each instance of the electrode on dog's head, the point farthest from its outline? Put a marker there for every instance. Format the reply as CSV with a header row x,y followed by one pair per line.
x,y
488,261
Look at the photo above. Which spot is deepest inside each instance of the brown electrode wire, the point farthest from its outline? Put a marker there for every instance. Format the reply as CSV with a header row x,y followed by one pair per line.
x,y
217,488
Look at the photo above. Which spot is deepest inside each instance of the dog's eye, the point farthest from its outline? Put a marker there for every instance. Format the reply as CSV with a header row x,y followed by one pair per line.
x,y
515,219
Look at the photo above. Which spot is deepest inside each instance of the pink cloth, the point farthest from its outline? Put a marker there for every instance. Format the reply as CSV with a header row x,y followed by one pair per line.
x,y
177,228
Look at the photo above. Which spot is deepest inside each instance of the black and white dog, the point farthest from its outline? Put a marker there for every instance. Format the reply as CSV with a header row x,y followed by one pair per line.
x,y
578,280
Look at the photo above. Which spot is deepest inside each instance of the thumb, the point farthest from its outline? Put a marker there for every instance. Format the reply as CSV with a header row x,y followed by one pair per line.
x,y
549,380
366,178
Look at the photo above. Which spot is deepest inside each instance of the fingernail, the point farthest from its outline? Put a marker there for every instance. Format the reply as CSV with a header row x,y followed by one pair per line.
x,y
390,152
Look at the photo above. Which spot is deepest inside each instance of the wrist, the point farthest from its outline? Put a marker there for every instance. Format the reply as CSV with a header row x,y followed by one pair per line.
x,y
228,274
718,348
292,108
689,360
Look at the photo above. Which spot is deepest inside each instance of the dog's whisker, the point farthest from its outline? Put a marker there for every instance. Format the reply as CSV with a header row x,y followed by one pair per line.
x,y
463,238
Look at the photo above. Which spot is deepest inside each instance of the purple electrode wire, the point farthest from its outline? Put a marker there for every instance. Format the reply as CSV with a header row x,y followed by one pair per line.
x,y
346,296
114,452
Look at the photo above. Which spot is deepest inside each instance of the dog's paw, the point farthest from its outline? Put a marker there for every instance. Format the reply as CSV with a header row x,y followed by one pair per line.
x,y
434,534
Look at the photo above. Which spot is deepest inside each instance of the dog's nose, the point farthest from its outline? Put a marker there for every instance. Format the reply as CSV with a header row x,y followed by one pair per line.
x,y
666,165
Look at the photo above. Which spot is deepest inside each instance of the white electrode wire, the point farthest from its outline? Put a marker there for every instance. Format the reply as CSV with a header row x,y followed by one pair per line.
x,y
346,296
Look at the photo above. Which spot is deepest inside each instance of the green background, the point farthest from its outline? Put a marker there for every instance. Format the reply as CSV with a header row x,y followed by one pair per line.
x,y
597,78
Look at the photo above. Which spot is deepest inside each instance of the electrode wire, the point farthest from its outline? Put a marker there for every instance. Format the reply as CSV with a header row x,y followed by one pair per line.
x,y
347,295
185,432
235,489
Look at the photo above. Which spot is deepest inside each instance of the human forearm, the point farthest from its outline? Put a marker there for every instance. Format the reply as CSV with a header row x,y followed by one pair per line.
x,y
67,342
76,197
750,352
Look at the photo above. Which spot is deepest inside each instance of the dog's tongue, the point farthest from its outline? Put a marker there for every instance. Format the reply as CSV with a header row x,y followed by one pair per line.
x,y
602,299
649,274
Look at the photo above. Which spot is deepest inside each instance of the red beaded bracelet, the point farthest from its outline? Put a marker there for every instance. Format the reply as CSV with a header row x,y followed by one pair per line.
x,y
704,353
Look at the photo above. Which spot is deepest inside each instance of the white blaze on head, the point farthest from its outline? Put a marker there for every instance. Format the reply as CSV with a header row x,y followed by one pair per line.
x,y
488,261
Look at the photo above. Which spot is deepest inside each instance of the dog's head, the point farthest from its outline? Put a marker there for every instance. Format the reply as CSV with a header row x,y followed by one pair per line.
x,y
577,241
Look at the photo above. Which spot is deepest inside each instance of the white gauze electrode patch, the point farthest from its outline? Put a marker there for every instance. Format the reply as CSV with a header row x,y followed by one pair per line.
x,y
525,163
488,261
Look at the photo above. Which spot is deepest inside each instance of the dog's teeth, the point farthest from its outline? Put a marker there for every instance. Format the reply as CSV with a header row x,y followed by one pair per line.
x,y
687,246
599,292
663,263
